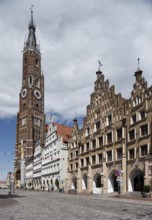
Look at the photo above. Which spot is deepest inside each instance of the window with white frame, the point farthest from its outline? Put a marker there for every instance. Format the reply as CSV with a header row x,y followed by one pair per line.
x,y
100,139
144,150
133,119
142,115
71,155
132,134
109,119
76,166
97,126
131,153
109,138
119,153
144,130
93,159
82,149
100,158
109,156
87,146
87,161
119,134
94,144
76,154
82,163
87,131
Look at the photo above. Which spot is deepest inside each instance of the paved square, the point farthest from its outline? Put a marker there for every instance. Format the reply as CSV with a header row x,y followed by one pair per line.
x,y
62,206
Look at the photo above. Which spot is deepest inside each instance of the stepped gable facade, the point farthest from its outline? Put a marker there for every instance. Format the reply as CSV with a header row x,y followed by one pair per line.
x,y
112,151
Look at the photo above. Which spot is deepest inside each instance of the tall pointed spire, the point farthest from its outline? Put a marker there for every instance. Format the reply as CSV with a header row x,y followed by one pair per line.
x,y
31,40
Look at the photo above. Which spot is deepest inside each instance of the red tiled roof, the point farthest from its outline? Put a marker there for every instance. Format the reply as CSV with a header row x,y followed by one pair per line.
x,y
64,131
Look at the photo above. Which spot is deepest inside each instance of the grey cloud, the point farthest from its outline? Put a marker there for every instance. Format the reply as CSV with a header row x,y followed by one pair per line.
x,y
74,35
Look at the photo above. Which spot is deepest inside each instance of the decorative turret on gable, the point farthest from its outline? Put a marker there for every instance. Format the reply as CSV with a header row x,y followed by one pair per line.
x,y
139,88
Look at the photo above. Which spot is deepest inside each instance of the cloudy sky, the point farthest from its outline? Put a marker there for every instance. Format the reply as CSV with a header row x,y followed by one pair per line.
x,y
74,35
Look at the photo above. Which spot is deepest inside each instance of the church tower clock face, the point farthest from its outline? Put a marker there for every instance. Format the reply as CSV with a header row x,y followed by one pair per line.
x,y
37,94
30,128
24,93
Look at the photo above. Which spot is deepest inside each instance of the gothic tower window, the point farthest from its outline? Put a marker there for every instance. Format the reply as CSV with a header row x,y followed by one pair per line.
x,y
37,82
37,62
24,81
30,80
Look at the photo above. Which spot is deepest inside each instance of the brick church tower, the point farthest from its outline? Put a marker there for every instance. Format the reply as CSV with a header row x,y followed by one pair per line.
x,y
30,128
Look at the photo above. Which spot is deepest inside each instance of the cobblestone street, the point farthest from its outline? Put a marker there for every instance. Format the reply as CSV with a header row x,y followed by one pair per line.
x,y
57,206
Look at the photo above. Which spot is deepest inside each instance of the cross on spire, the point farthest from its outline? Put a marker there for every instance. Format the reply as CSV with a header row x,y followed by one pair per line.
x,y
138,63
31,8
100,64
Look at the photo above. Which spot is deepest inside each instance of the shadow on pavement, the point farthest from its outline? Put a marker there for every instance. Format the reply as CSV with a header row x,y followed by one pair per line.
x,y
6,199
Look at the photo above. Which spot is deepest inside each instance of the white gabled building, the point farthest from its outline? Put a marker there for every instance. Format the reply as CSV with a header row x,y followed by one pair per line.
x,y
29,174
37,167
55,156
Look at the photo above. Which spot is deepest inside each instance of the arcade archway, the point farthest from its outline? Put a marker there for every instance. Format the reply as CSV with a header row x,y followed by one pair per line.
x,y
74,183
84,182
136,180
112,182
97,184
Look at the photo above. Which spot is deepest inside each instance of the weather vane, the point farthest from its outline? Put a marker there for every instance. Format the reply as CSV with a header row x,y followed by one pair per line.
x,y
31,8
138,63
100,64
75,114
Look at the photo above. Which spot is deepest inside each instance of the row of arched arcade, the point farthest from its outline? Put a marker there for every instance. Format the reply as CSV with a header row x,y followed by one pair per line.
x,y
135,182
